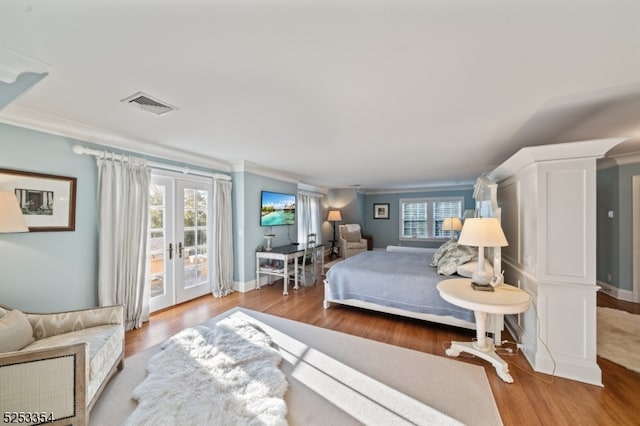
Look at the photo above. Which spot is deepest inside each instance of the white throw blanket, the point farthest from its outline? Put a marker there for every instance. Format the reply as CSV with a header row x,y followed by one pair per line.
x,y
225,375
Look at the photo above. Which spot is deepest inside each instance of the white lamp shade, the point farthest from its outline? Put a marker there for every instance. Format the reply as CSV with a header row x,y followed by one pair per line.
x,y
452,224
482,232
334,216
11,218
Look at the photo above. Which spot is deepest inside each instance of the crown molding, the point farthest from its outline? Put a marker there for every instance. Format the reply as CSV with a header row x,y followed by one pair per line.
x,y
595,148
14,63
629,158
242,166
463,186
34,120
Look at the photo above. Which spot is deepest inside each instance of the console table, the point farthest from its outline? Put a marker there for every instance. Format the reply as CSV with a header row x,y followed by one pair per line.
x,y
284,254
505,299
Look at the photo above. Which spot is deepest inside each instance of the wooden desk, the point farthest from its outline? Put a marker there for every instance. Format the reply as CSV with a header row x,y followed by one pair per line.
x,y
285,254
506,299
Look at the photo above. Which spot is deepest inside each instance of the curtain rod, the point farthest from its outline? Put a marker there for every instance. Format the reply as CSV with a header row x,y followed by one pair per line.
x,y
81,150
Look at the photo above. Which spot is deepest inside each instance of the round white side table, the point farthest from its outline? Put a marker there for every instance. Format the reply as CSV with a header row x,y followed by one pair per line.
x,y
505,299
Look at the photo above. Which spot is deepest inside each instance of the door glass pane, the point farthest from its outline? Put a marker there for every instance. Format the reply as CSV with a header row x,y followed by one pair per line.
x,y
157,272
195,237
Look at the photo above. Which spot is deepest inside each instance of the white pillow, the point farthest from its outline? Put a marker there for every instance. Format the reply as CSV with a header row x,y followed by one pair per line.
x,y
15,331
467,269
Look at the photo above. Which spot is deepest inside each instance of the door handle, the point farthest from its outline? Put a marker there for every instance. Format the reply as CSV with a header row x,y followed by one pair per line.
x,y
180,249
170,250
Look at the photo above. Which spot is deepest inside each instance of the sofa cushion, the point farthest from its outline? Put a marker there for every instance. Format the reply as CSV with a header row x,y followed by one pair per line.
x,y
3,312
15,331
105,345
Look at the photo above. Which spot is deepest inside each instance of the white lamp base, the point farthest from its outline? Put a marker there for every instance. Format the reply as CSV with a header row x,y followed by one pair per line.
x,y
269,237
481,277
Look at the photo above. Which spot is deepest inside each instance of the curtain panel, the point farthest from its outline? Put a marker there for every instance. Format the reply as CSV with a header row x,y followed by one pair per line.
x,y
309,212
123,214
223,238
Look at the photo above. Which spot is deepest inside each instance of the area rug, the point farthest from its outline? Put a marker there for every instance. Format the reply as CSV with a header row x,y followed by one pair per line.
x,y
220,375
619,337
339,379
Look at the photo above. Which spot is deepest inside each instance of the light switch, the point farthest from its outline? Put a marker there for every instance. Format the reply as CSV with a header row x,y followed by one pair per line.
x,y
610,214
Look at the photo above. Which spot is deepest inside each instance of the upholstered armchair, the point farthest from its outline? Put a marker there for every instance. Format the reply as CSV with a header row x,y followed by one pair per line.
x,y
351,241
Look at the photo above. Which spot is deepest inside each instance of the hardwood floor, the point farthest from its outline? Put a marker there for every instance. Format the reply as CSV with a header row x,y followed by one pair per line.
x,y
534,399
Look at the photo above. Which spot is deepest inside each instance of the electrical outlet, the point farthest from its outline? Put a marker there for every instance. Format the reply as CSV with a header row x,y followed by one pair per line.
x,y
609,277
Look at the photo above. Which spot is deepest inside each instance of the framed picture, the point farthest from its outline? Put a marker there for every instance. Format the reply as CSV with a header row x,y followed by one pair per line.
x,y
381,211
48,202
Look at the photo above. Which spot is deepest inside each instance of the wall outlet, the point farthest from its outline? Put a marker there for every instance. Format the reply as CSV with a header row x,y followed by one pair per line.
x,y
609,277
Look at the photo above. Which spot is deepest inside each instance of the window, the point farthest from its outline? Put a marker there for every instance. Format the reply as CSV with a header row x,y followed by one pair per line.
x,y
421,218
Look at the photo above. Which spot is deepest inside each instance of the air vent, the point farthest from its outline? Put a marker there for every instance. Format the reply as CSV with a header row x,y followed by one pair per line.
x,y
147,103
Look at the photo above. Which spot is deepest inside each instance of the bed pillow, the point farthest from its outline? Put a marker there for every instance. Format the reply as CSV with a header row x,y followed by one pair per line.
x,y
15,331
351,237
467,269
448,264
441,251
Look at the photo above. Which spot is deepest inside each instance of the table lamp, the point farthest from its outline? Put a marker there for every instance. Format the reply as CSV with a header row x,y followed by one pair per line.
x,y
452,224
482,232
11,218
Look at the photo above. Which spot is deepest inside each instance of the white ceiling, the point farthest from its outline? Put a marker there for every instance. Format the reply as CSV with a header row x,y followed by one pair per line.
x,y
382,94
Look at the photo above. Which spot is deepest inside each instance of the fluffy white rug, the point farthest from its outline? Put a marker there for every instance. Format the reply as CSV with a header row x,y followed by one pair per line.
x,y
619,337
224,375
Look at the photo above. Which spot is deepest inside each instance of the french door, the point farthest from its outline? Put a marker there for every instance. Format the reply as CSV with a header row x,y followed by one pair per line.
x,y
179,244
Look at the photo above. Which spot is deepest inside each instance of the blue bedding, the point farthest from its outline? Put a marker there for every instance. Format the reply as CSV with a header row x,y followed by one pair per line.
x,y
401,280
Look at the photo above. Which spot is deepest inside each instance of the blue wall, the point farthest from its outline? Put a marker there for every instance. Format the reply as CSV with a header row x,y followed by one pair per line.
x,y
248,232
608,236
387,231
48,271
52,271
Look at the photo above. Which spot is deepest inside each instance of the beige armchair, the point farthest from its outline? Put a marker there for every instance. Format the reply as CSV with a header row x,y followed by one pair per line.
x,y
351,241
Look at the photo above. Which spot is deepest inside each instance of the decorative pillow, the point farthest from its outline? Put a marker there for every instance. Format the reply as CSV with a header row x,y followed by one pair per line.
x,y
448,264
15,331
441,251
467,269
351,237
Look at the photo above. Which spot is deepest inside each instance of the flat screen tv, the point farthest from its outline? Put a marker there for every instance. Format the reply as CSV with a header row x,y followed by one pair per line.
x,y
277,209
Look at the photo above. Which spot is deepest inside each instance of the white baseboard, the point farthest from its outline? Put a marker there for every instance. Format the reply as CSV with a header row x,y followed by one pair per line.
x,y
244,287
626,295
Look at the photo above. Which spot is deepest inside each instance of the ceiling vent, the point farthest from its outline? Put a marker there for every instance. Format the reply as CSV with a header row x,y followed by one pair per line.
x,y
147,103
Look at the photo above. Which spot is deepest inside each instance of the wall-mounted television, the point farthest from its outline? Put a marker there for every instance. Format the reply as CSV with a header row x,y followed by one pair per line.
x,y
277,209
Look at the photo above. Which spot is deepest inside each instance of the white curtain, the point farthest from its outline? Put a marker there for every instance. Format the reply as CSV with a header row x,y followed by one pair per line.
x,y
123,214
308,212
223,238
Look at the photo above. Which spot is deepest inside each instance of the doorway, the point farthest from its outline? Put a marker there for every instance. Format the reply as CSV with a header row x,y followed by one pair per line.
x,y
179,245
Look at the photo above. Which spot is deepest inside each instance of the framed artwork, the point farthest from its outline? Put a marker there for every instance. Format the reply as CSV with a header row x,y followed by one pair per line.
x,y
381,211
48,202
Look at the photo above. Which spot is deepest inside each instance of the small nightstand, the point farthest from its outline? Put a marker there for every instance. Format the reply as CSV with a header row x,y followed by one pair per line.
x,y
506,299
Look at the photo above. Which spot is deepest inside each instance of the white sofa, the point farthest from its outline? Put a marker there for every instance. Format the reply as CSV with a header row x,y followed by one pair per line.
x,y
56,365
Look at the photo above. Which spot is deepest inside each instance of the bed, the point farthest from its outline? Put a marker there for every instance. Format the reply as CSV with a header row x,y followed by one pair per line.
x,y
400,281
